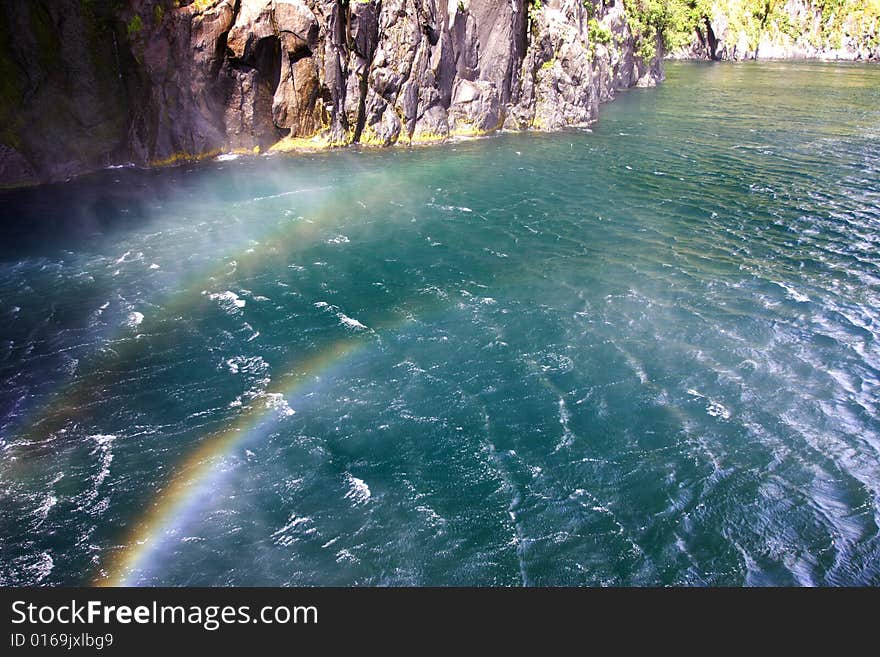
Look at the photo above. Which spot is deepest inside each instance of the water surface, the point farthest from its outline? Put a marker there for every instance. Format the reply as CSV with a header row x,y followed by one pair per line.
x,y
642,355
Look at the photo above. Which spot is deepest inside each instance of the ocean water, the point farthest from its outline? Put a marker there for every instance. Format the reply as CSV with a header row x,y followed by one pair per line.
x,y
645,354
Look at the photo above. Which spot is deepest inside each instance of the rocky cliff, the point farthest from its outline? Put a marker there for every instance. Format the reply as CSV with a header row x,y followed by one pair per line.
x,y
784,29
91,83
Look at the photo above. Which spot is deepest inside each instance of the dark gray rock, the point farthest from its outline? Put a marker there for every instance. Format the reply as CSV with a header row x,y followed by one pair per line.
x,y
86,85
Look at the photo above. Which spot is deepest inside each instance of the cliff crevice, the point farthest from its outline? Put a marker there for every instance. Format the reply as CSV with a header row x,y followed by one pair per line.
x,y
92,83
847,30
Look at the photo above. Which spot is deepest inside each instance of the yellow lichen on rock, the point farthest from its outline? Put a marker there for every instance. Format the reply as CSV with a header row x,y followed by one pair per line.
x,y
423,138
469,131
182,156
296,144
369,137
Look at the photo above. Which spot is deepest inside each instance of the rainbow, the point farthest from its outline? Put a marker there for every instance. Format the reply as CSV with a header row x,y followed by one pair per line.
x,y
69,401
193,479
196,478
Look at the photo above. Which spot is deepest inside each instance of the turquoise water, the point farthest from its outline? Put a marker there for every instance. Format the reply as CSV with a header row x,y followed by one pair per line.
x,y
646,354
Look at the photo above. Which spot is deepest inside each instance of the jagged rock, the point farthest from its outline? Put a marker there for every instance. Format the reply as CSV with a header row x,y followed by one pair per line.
x,y
182,82
15,170
255,22
295,101
795,29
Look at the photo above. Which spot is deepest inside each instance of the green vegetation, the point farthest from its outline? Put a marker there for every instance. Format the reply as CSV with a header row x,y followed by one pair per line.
x,y
135,25
589,8
672,22
855,18
598,33
534,7
675,22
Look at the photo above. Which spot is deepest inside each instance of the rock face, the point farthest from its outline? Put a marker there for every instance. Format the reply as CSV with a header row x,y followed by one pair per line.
x,y
87,84
792,29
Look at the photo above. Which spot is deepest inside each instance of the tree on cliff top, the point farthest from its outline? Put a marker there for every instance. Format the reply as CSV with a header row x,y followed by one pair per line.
x,y
677,22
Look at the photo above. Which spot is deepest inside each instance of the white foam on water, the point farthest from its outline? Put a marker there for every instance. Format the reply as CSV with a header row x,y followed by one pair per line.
x,y
453,208
351,322
338,239
556,363
290,193
226,157
276,401
358,491
431,289
134,319
713,407
70,365
200,413
344,319
103,443
636,367
247,365
193,539
345,555
716,409
154,266
42,567
294,522
228,300
794,294
42,511
431,516
567,434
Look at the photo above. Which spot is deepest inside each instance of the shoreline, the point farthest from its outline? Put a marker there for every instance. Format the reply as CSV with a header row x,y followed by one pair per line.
x,y
293,146
301,148
811,58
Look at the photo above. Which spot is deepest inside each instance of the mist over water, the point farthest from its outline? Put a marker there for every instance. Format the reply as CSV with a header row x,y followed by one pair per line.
x,y
642,355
